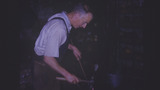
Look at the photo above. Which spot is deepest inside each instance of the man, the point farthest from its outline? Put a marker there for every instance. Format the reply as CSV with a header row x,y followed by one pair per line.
x,y
52,43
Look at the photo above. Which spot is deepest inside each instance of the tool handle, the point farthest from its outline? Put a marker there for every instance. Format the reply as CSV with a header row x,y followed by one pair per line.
x,y
63,79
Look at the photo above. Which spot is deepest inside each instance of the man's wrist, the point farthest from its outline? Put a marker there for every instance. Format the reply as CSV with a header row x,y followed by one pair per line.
x,y
71,47
66,74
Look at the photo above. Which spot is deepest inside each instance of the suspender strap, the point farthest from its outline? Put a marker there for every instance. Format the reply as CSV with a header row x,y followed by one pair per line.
x,y
64,46
63,21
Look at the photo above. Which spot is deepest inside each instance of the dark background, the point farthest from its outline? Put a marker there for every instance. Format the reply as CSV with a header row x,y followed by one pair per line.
x,y
120,39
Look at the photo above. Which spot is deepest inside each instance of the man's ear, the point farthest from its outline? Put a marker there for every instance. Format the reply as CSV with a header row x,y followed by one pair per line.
x,y
77,16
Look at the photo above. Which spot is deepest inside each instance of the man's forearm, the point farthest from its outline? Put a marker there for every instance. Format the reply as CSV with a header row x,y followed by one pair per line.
x,y
51,61
75,50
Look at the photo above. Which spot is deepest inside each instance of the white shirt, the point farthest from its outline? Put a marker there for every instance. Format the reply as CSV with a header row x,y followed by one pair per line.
x,y
52,36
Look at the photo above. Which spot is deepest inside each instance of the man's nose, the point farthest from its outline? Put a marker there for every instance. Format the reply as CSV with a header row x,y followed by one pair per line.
x,y
84,25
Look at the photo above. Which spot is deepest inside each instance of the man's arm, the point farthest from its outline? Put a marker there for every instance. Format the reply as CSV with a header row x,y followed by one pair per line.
x,y
51,61
75,50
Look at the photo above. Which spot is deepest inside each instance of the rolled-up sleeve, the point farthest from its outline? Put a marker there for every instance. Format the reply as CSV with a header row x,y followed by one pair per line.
x,y
51,37
52,46
54,40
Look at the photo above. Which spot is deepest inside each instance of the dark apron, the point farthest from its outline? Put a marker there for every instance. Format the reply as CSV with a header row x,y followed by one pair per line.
x,y
44,77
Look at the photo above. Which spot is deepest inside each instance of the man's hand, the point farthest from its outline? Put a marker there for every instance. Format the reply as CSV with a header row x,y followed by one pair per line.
x,y
75,50
72,79
77,53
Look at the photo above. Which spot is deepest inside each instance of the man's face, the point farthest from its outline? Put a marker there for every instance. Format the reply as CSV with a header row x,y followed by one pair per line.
x,y
81,21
